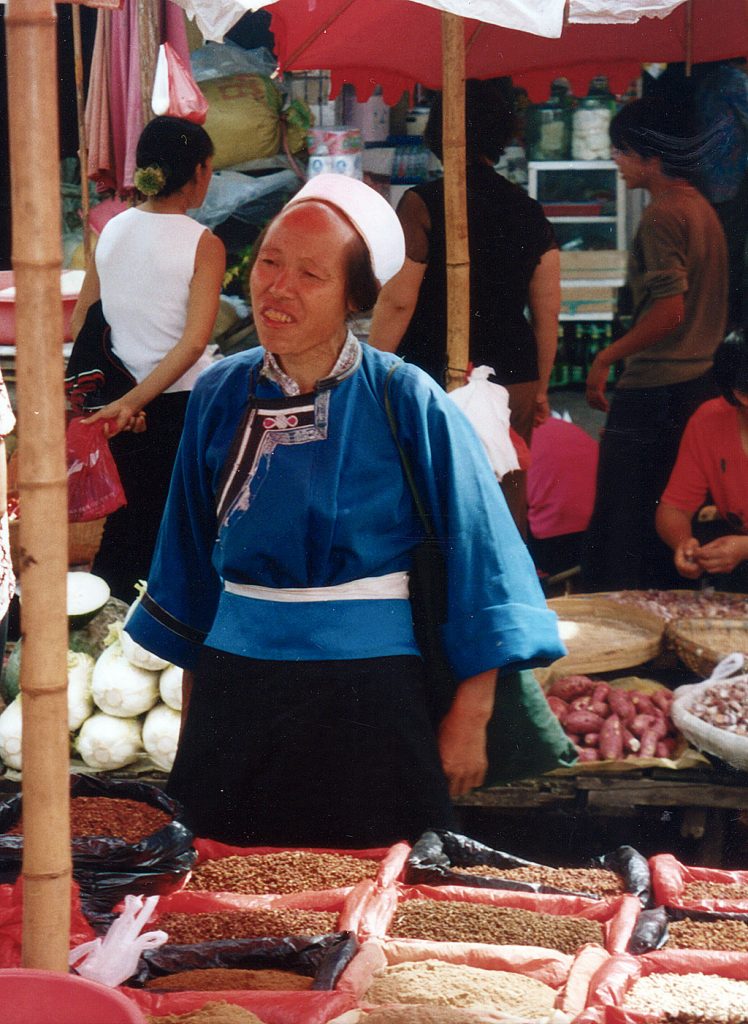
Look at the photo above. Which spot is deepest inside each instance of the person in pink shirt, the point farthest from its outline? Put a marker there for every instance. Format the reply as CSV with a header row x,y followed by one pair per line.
x,y
560,493
712,468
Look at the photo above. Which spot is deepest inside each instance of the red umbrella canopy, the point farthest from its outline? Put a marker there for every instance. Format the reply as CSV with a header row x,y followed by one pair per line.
x,y
396,44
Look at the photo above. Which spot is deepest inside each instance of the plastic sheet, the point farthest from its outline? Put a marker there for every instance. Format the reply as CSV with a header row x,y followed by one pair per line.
x,y
323,957
11,923
107,868
617,916
609,985
670,878
165,845
437,857
270,1007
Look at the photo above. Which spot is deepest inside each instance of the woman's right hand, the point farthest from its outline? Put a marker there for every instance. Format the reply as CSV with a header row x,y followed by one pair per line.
x,y
120,416
686,559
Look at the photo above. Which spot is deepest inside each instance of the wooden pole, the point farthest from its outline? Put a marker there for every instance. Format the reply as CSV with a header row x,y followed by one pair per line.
x,y
455,199
37,260
80,103
689,38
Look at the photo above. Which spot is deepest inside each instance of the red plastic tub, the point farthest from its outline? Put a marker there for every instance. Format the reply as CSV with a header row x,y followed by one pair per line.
x,y
32,997
8,311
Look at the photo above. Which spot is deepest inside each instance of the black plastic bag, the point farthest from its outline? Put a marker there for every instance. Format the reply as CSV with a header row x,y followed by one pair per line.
x,y
437,857
650,931
166,845
634,867
322,957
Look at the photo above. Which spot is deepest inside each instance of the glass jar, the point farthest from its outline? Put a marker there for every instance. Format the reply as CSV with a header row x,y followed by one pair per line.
x,y
590,138
548,131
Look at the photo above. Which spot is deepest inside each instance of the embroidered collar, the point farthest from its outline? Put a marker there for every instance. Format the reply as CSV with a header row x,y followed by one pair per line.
x,y
347,363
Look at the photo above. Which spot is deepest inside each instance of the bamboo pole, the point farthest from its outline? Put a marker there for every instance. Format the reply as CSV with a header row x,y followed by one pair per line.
x,y
80,104
37,260
689,38
455,199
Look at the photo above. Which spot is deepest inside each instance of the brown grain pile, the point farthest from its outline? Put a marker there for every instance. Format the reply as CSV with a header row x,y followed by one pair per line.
x,y
130,820
719,934
423,1015
185,929
598,881
698,1018
284,872
718,1000
210,1013
455,921
715,890
438,983
217,979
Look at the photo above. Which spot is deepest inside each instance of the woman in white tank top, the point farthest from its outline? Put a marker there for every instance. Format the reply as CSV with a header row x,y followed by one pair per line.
x,y
158,274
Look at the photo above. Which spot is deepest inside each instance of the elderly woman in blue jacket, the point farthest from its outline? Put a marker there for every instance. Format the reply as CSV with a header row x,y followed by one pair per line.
x,y
280,580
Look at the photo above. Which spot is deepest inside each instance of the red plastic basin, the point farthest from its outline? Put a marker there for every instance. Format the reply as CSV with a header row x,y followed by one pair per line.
x,y
47,997
8,312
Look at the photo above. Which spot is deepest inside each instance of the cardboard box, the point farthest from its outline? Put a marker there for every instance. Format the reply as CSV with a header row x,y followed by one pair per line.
x,y
594,263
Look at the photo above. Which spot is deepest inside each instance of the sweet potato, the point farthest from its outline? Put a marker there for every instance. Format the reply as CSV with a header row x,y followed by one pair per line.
x,y
666,747
611,738
641,723
600,707
583,721
591,739
571,687
663,699
660,726
600,693
642,703
581,703
559,708
649,744
631,742
622,706
588,754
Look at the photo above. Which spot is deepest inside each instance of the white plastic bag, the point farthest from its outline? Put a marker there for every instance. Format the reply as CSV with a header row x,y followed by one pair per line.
x,y
114,958
729,747
486,405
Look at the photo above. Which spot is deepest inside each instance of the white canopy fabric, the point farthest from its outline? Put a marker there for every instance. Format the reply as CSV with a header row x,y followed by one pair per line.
x,y
215,18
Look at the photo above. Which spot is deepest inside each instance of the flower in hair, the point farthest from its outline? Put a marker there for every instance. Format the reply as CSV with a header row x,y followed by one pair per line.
x,y
149,180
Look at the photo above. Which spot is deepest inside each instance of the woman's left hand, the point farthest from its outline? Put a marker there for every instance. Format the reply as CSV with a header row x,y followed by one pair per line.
x,y
462,748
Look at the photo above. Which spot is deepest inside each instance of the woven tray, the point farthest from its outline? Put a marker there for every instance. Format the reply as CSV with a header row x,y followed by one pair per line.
x,y
602,635
702,643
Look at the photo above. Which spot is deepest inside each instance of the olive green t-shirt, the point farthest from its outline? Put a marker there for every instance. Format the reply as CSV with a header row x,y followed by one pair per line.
x,y
679,248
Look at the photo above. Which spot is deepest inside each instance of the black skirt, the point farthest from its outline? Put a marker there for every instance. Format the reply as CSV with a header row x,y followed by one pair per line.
x,y
328,754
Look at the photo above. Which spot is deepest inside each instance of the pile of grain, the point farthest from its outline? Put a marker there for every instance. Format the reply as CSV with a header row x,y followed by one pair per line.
x,y
284,872
210,1013
598,881
443,984
718,934
185,929
715,891
115,818
219,979
423,1015
456,921
718,1000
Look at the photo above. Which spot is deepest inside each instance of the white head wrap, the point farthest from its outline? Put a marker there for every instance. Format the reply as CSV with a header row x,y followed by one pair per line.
x,y
369,212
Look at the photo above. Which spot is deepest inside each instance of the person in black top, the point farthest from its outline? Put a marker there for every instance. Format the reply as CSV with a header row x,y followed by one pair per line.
x,y
514,267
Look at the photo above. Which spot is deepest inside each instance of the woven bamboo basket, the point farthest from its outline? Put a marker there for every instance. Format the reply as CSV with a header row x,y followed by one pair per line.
x,y
602,635
702,643
84,540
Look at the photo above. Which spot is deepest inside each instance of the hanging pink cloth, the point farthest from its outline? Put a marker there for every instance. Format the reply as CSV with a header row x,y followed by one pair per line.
x,y
100,158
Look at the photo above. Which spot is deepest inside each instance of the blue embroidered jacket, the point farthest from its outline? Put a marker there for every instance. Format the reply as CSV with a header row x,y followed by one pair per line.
x,y
310,493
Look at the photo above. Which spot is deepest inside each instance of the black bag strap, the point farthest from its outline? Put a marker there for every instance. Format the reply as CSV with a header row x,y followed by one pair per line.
x,y
407,468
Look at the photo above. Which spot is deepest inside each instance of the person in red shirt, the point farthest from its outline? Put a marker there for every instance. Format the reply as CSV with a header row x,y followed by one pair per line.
x,y
712,467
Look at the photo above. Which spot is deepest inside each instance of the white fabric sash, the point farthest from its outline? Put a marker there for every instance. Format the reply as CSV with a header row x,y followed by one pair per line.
x,y
392,586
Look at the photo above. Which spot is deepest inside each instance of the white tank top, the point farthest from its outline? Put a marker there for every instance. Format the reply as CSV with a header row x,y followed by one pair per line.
x,y
145,262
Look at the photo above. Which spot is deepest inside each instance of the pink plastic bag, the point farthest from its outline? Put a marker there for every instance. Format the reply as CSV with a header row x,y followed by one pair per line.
x,y
175,91
94,486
